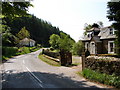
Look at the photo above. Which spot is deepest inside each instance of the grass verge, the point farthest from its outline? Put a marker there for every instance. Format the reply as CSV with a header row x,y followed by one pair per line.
x,y
111,80
9,52
48,61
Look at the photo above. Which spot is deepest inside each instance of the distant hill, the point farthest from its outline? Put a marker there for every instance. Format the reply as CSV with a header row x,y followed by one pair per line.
x,y
39,29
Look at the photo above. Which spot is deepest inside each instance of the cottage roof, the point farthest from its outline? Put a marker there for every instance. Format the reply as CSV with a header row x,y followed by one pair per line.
x,y
104,33
96,39
26,39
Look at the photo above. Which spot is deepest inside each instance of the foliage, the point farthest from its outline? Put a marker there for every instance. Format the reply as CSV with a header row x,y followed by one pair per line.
x,y
51,54
108,65
62,42
114,15
65,42
87,27
23,33
7,37
48,61
90,26
78,48
11,10
24,50
102,78
9,51
39,30
54,41
15,9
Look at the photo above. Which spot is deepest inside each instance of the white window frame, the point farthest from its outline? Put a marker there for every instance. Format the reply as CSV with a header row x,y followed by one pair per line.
x,y
109,52
112,31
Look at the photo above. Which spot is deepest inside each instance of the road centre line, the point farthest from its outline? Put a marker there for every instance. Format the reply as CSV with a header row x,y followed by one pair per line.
x,y
23,62
35,77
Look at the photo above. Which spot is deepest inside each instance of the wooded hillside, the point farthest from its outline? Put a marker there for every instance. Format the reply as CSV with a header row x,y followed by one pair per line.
x,y
39,29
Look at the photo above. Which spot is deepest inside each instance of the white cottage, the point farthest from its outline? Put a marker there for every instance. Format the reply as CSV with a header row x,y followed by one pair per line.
x,y
27,42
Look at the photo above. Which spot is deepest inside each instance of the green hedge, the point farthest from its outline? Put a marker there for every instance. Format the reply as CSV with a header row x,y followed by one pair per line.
x,y
51,54
9,51
103,65
112,80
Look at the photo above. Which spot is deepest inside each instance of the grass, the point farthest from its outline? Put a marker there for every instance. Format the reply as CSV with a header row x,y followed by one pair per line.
x,y
111,80
48,61
8,52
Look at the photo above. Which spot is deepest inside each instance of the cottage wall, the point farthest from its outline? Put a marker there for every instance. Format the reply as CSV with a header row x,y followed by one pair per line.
x,y
99,48
105,46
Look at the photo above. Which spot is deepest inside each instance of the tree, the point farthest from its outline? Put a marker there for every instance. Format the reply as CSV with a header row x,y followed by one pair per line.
x,y
11,10
65,42
7,37
23,33
87,27
90,26
15,9
114,15
62,42
54,41
78,48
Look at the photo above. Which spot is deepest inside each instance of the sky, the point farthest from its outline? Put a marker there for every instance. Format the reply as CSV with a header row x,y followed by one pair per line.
x,y
71,15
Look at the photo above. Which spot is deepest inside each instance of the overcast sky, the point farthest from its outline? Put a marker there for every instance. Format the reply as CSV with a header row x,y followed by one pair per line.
x,y
71,15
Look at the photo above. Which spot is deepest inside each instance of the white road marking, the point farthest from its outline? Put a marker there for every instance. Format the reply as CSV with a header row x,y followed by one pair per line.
x,y
35,77
23,62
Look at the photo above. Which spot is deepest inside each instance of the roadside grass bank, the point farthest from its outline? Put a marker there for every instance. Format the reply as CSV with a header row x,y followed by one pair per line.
x,y
9,52
103,78
49,61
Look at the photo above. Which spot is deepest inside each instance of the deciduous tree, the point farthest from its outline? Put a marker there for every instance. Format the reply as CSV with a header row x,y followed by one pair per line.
x,y
23,33
114,15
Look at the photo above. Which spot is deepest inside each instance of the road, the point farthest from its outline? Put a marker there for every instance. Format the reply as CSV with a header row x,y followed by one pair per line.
x,y
27,71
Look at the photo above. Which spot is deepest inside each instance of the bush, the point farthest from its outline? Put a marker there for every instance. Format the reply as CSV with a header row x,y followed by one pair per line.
x,y
108,65
24,50
9,51
78,48
112,80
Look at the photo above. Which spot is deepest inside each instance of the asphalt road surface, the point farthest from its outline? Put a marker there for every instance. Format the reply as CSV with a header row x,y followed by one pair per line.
x,y
27,71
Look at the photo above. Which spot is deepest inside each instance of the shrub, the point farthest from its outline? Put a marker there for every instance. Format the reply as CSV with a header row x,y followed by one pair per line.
x,y
112,80
9,51
78,48
24,50
108,65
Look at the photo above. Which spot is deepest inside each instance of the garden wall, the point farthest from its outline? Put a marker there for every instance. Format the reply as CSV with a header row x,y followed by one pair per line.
x,y
51,54
108,65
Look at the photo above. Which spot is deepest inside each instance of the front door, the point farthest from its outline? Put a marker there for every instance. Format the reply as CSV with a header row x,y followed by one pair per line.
x,y
92,48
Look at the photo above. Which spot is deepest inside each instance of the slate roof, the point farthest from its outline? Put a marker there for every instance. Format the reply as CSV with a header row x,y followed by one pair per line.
x,y
104,34
96,39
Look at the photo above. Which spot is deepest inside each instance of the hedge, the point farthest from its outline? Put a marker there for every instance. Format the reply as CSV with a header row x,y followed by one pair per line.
x,y
51,54
104,65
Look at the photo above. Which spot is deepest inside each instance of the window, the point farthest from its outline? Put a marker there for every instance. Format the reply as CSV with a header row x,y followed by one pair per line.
x,y
111,46
89,35
111,31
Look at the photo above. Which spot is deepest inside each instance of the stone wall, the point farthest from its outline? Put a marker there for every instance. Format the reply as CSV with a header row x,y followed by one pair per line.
x,y
108,65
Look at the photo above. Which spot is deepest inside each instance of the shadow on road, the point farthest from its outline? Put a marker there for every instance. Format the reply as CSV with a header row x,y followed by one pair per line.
x,y
14,79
